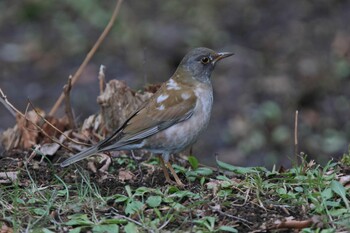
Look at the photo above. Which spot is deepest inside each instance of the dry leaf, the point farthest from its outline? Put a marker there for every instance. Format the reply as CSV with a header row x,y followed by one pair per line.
x,y
118,102
8,177
6,229
28,133
125,175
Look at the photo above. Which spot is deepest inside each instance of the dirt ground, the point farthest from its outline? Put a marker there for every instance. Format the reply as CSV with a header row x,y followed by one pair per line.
x,y
249,216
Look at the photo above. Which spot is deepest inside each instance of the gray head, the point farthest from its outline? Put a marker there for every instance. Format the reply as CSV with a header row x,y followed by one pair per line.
x,y
200,62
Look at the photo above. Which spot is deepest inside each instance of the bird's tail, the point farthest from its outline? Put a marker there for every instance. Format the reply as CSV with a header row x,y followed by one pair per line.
x,y
81,155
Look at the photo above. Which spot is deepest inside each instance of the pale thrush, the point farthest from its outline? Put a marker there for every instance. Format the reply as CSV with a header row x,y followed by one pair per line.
x,y
173,118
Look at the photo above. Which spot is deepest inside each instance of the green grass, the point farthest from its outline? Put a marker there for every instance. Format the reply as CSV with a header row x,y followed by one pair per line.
x,y
207,205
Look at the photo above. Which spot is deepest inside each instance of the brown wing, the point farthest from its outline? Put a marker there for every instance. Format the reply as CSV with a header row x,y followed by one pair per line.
x,y
161,112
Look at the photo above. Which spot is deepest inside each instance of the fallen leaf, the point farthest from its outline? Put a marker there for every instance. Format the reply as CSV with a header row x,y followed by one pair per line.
x,y
118,102
8,177
125,175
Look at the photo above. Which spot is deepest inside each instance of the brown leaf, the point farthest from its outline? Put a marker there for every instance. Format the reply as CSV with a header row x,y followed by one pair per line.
x,y
125,175
6,229
27,131
61,124
118,102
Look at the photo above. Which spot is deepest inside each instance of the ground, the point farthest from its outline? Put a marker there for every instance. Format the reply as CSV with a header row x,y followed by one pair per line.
x,y
131,195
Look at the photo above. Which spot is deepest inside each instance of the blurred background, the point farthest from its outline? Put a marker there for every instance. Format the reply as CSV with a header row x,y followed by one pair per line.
x,y
289,55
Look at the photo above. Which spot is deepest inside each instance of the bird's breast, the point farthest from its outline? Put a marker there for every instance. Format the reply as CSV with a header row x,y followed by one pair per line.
x,y
179,136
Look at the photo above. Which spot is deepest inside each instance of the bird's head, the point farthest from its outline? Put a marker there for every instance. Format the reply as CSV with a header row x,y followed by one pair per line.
x,y
200,62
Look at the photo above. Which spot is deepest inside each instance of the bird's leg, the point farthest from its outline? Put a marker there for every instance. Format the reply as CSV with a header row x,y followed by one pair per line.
x,y
177,179
165,170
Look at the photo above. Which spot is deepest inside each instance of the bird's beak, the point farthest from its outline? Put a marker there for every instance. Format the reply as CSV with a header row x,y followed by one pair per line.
x,y
220,56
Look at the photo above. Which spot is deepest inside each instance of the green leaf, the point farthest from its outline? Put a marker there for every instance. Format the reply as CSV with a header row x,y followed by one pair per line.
x,y
105,228
38,211
75,230
142,190
178,168
193,161
79,219
133,207
20,201
45,230
339,189
327,194
120,198
113,221
185,193
235,169
173,189
204,171
154,201
202,180
178,206
128,190
131,228
228,229
338,212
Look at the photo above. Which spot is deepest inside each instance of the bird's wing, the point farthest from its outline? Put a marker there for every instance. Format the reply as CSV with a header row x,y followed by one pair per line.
x,y
160,112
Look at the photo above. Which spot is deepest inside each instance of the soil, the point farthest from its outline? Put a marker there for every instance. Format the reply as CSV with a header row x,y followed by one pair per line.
x,y
246,217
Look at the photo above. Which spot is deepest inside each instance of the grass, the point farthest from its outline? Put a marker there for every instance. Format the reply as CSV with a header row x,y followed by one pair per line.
x,y
231,199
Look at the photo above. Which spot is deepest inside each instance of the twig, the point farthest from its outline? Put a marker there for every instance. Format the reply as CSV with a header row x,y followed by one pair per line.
x,y
33,154
25,117
101,78
55,128
66,90
5,102
115,213
291,224
90,54
296,149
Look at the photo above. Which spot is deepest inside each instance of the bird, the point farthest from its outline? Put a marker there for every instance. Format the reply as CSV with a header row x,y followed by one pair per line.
x,y
172,119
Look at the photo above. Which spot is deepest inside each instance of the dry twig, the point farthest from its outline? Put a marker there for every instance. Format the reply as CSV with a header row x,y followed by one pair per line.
x,y
90,54
7,105
19,113
55,128
292,224
68,109
101,78
296,149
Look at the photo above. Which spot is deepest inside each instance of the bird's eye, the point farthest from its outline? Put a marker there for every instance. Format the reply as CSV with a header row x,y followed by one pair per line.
x,y
205,60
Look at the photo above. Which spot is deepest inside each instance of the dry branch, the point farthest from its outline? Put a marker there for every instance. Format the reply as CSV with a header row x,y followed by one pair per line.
x,y
102,79
296,149
20,115
55,128
68,108
5,102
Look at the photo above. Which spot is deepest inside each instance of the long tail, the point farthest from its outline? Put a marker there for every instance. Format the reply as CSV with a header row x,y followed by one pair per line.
x,y
81,155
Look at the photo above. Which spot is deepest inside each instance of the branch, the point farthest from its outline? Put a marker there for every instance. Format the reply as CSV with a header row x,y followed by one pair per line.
x,y
296,149
55,128
19,113
101,78
90,54
7,104
68,109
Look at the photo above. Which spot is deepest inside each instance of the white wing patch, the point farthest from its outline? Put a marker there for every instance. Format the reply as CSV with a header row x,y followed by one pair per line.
x,y
161,98
172,85
161,107
185,95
